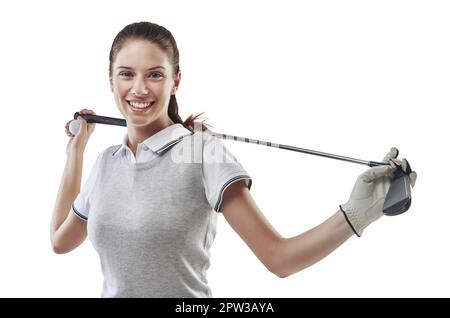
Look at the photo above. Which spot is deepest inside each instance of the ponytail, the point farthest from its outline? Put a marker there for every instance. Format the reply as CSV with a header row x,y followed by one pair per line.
x,y
189,122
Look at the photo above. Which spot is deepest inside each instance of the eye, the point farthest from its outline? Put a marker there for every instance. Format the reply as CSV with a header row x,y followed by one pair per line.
x,y
125,74
155,75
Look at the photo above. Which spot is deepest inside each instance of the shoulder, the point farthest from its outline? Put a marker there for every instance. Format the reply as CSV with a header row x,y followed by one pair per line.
x,y
110,151
215,150
209,139
203,139
107,153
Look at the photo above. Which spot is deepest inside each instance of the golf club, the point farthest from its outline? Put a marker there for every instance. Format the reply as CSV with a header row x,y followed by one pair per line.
x,y
398,198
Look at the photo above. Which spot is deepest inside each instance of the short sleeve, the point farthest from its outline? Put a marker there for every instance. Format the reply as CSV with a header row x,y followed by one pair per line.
x,y
220,169
81,205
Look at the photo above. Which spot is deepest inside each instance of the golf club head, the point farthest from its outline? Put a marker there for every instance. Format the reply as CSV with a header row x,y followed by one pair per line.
x,y
398,198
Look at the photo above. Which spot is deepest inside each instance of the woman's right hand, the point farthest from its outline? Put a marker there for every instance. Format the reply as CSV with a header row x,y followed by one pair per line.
x,y
79,141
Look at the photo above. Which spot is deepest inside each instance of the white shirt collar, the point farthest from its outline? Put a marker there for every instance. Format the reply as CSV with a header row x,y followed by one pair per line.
x,y
162,140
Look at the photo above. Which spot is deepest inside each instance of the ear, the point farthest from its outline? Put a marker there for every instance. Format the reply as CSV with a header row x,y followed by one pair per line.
x,y
111,84
176,81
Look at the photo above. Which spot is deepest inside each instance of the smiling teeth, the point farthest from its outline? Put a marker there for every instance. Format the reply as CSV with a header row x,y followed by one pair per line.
x,y
140,105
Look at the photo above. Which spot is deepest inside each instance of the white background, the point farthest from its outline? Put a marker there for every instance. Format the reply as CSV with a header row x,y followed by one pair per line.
x,y
346,77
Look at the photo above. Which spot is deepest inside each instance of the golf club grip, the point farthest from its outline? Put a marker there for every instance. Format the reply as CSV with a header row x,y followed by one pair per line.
x,y
101,119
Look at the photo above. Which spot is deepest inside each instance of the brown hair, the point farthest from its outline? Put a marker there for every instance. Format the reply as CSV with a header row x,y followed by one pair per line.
x,y
165,40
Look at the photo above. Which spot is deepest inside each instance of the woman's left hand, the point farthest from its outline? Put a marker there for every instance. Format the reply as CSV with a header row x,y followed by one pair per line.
x,y
365,204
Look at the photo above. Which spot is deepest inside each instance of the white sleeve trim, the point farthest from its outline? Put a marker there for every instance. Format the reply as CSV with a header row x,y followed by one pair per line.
x,y
227,184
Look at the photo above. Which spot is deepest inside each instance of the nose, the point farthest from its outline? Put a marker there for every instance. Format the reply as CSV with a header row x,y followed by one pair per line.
x,y
139,88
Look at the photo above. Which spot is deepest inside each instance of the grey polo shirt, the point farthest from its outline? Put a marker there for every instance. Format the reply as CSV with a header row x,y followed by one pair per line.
x,y
152,219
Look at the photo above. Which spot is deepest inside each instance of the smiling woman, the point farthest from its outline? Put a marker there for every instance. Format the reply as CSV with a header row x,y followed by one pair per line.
x,y
152,219
144,75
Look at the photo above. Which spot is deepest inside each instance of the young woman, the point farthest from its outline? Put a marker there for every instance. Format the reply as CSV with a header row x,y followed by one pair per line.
x,y
152,217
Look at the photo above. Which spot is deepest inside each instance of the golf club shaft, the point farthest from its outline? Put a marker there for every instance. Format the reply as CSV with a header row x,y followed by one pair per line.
x,y
297,149
122,122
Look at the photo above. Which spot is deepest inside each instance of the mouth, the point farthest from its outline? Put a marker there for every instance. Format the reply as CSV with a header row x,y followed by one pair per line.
x,y
140,107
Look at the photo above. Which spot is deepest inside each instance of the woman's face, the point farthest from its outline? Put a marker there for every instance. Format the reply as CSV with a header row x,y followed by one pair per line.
x,y
142,82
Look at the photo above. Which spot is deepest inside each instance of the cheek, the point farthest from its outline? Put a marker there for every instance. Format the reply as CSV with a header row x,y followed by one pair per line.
x,y
165,90
120,89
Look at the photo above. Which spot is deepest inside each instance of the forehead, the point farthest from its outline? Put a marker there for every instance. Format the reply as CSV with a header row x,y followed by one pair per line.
x,y
141,54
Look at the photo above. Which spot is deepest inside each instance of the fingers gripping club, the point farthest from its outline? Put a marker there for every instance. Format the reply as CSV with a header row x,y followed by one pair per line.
x,y
74,126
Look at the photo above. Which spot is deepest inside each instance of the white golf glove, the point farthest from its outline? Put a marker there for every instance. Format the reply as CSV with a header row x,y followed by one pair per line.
x,y
365,204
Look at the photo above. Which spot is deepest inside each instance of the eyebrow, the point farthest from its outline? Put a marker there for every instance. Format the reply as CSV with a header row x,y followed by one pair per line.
x,y
151,68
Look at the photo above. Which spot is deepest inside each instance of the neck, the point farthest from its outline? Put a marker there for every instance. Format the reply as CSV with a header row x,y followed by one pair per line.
x,y
137,134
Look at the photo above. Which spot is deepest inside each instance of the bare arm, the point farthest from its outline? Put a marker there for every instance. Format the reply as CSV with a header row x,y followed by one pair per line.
x,y
282,256
68,231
